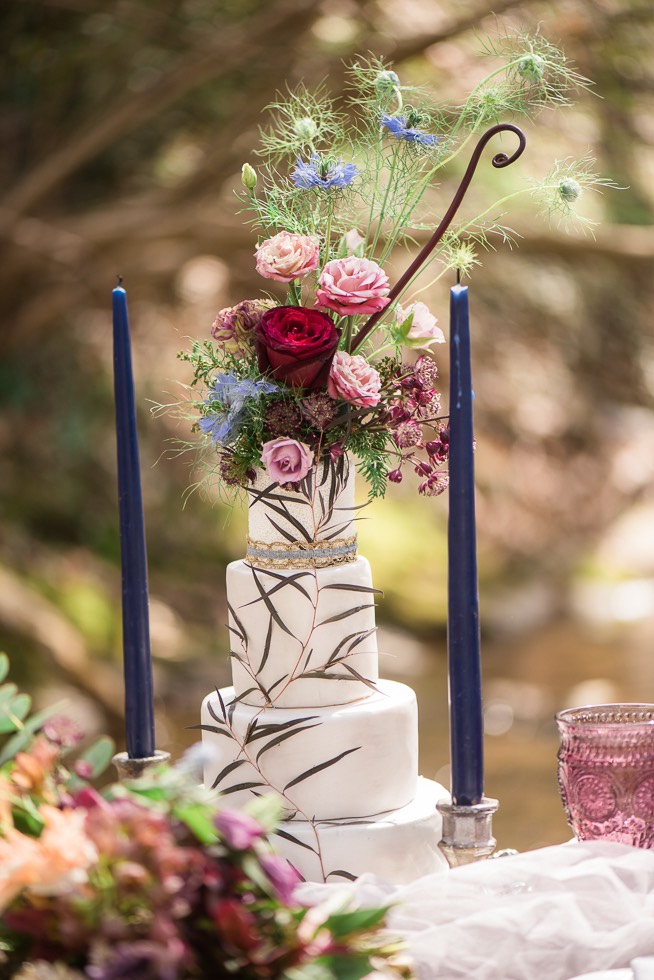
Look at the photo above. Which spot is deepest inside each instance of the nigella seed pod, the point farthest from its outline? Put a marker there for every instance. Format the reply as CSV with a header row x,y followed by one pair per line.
x,y
387,82
306,128
532,67
570,190
395,476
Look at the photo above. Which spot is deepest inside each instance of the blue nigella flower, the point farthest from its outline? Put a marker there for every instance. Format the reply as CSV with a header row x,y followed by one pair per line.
x,y
226,401
326,176
400,127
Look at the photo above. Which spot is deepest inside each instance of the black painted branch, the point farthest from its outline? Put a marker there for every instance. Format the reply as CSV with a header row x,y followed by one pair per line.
x,y
499,160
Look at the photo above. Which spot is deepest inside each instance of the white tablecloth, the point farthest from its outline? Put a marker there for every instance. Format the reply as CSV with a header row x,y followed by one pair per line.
x,y
551,914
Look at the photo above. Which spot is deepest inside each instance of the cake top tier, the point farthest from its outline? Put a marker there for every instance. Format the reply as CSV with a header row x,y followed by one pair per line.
x,y
304,525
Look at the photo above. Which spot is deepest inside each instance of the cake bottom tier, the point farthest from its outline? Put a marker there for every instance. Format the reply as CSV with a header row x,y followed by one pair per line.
x,y
350,760
400,845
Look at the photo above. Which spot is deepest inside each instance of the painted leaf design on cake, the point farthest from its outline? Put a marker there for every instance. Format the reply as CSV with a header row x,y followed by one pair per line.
x,y
337,617
341,874
294,840
282,582
345,587
284,512
353,639
240,787
269,605
320,767
264,730
266,646
282,738
242,635
226,771
268,493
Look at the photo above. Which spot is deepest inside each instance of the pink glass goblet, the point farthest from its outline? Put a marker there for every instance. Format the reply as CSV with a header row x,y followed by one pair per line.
x,y
606,772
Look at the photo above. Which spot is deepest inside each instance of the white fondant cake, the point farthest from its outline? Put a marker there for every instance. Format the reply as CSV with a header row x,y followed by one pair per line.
x,y
307,718
375,740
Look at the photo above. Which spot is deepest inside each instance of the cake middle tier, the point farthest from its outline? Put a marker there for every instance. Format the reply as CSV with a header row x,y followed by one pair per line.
x,y
302,637
352,760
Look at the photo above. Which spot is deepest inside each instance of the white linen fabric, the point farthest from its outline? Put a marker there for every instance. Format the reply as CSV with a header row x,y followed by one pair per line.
x,y
550,914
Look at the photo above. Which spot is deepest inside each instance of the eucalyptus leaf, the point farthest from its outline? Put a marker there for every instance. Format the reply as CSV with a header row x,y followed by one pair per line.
x,y
13,712
99,755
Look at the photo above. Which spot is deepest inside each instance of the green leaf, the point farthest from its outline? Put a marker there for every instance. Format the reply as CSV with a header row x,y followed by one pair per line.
x,y
343,924
199,820
7,692
23,737
99,755
348,966
13,712
4,666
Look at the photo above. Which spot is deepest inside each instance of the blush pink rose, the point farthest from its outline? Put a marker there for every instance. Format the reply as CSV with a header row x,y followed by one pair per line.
x,y
287,256
287,460
354,380
423,331
353,285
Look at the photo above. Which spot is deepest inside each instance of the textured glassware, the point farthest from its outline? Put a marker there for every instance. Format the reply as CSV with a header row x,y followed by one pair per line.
x,y
606,772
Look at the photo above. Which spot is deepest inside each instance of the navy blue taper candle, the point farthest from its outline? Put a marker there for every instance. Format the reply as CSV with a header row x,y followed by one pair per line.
x,y
137,662
463,646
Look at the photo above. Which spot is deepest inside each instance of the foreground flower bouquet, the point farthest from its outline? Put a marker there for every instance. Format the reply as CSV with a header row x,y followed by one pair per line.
x,y
151,881
324,363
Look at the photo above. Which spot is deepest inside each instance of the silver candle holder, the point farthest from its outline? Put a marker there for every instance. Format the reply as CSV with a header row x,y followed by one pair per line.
x,y
135,768
467,831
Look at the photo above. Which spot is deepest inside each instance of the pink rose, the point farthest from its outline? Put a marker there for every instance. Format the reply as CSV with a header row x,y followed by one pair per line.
x,y
353,285
422,332
354,380
287,460
286,256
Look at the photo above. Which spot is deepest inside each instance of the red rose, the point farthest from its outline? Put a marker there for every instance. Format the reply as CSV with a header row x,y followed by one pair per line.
x,y
296,345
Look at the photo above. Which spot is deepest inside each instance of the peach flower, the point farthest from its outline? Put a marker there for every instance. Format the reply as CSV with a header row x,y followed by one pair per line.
x,y
287,256
423,330
354,380
353,285
287,460
50,864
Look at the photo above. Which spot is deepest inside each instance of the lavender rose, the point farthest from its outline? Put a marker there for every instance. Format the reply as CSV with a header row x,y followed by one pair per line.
x,y
296,345
233,327
354,380
287,460
287,256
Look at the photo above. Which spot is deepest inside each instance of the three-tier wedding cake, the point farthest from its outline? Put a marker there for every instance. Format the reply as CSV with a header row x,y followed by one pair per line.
x,y
307,717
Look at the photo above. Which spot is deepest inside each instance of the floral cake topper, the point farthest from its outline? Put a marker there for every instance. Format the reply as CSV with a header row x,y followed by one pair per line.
x,y
344,361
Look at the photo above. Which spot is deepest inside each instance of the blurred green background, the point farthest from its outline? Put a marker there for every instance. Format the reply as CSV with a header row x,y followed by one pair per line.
x,y
124,126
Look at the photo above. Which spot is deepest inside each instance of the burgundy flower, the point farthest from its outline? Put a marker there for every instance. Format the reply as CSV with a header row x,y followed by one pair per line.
x,y
296,345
